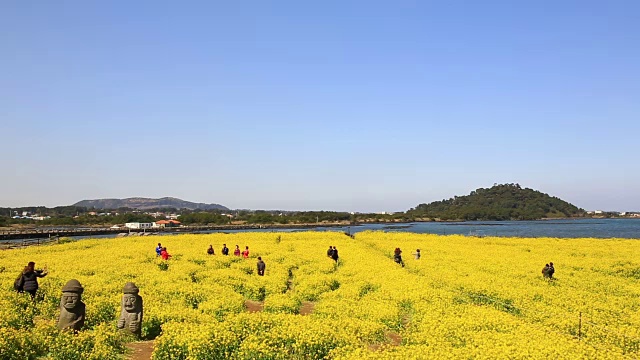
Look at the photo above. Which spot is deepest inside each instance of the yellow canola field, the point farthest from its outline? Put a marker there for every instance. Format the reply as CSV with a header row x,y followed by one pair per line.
x,y
481,298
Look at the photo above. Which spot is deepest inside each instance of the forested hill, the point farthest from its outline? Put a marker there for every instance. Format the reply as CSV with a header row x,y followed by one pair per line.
x,y
146,203
500,202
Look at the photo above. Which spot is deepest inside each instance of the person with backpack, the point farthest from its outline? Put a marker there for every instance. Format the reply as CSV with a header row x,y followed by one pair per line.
x,y
28,280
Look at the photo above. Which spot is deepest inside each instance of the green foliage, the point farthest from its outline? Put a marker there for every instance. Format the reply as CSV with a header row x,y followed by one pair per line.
x,y
482,298
500,202
203,218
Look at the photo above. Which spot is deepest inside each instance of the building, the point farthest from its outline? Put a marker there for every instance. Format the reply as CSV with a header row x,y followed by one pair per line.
x,y
137,225
166,223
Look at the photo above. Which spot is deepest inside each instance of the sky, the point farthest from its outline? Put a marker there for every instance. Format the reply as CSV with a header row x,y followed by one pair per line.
x,y
333,105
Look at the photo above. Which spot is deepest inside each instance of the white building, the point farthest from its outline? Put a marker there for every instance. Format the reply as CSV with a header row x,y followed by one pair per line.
x,y
137,225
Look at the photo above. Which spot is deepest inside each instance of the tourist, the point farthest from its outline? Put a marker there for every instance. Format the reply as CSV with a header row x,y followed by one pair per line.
x,y
545,271
245,253
225,249
165,255
210,250
29,278
159,250
334,254
551,270
330,252
261,266
417,254
236,252
397,257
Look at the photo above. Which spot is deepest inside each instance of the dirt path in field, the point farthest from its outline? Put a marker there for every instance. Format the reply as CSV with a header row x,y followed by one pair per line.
x,y
393,339
141,350
253,306
307,308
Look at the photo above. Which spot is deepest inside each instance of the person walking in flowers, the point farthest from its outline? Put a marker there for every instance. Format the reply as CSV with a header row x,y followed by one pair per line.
x,y
236,252
245,253
334,255
548,270
165,255
397,257
261,266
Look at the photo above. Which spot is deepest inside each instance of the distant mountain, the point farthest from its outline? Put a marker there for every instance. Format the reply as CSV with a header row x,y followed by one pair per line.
x,y
146,203
500,202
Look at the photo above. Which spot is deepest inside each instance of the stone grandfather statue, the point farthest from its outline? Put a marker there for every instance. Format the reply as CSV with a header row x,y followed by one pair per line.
x,y
131,313
72,309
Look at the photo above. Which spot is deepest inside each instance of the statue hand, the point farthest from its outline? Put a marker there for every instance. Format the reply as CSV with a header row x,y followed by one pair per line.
x,y
121,324
133,326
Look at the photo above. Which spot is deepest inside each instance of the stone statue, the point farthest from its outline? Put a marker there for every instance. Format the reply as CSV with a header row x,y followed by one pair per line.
x,y
72,309
131,313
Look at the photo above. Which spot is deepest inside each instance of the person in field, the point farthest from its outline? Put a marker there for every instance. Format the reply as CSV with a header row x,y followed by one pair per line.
x,y
210,250
545,271
225,249
245,253
159,249
236,252
29,279
330,252
334,254
397,256
261,266
417,254
165,255
551,270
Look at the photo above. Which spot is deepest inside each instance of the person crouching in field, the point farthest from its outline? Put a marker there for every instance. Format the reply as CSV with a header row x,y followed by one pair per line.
x,y
210,250
397,257
261,266
165,255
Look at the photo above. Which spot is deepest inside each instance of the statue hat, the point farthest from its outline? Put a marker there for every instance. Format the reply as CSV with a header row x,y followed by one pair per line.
x,y
73,286
131,288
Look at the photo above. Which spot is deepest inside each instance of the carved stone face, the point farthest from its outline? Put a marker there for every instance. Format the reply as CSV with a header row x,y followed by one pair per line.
x,y
130,302
70,300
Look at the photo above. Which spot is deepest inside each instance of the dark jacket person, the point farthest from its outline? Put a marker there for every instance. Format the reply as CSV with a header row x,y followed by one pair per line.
x,y
334,254
261,266
30,278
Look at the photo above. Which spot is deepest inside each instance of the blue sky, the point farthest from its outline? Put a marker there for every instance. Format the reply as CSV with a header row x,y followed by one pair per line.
x,y
360,106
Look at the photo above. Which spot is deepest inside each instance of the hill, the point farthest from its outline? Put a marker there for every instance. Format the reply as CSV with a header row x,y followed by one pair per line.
x,y
146,203
500,202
